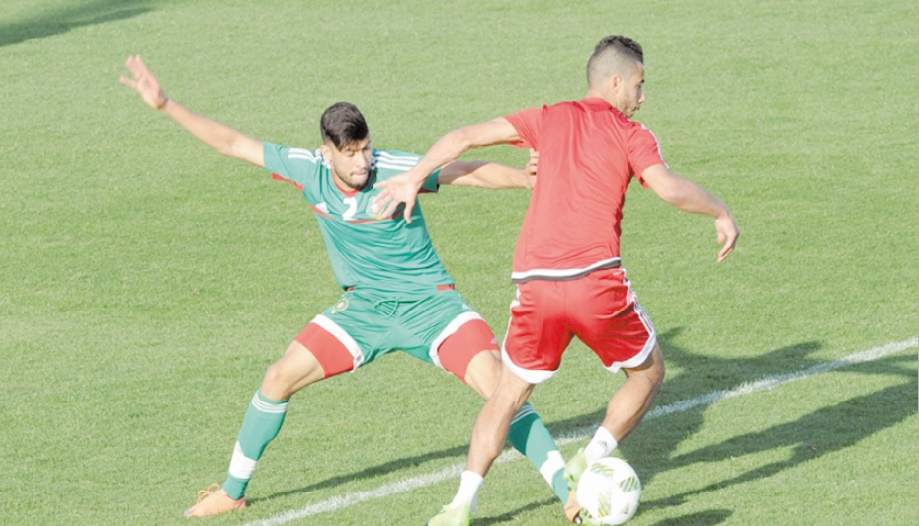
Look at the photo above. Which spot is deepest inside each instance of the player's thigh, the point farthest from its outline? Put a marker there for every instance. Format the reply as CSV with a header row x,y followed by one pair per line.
x,y
475,361
538,332
609,320
456,338
345,336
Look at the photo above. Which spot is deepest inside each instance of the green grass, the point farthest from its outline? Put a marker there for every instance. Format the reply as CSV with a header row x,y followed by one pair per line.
x,y
146,282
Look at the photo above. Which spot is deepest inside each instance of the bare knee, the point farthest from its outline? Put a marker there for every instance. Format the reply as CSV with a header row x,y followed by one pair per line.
x,y
294,371
512,390
652,370
657,370
277,376
483,372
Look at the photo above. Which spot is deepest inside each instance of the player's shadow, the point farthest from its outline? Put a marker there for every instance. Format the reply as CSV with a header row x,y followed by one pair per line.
x,y
514,515
692,376
703,518
573,424
59,21
824,431
827,430
370,472
702,375
652,443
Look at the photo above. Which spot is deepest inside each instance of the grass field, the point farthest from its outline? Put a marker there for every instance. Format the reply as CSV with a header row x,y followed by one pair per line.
x,y
146,282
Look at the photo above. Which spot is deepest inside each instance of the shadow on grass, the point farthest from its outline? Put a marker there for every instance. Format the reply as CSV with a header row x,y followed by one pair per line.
x,y
513,515
828,430
825,431
702,518
60,21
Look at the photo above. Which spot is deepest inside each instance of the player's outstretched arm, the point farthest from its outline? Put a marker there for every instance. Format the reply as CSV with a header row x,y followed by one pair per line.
x,y
225,140
403,188
690,197
483,174
492,176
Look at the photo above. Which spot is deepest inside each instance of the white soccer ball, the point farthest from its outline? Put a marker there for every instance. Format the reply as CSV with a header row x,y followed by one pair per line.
x,y
608,492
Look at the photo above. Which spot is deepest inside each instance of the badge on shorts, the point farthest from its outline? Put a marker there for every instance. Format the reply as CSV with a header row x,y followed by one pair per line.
x,y
340,306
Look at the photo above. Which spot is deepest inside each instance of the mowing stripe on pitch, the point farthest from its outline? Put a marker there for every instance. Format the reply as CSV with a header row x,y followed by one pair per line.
x,y
453,472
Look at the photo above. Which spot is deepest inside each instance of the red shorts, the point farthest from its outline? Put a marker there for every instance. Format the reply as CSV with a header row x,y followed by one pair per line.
x,y
600,309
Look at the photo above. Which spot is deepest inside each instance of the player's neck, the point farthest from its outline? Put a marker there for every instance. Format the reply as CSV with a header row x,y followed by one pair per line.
x,y
593,93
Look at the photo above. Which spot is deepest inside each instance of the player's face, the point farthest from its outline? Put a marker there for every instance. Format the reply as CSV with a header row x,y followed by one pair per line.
x,y
350,164
631,94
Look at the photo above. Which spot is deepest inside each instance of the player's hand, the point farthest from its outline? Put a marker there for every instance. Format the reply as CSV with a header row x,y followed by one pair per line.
x,y
393,192
531,168
727,235
143,82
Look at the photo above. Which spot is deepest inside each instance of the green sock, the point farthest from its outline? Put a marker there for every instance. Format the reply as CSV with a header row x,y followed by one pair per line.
x,y
261,425
529,435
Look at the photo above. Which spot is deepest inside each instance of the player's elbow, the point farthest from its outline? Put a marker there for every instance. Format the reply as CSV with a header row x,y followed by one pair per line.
x,y
243,148
226,149
461,139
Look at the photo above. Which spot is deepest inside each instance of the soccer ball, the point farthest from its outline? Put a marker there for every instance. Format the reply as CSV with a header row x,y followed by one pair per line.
x,y
608,491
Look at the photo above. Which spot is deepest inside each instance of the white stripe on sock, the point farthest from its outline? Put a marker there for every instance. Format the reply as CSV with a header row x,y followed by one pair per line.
x,y
241,467
268,407
550,467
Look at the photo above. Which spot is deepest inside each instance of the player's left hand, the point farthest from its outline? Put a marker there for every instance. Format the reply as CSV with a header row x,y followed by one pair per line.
x,y
531,166
394,191
727,235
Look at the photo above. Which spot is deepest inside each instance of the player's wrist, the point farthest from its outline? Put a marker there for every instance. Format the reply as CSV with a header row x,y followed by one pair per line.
x,y
418,177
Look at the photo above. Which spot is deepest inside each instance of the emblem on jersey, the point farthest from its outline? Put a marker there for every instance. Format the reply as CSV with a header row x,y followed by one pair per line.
x,y
340,306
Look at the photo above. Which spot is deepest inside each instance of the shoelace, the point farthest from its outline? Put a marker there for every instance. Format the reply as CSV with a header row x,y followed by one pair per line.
x,y
205,493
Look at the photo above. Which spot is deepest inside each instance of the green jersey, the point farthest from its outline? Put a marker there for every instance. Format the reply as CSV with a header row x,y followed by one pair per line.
x,y
385,254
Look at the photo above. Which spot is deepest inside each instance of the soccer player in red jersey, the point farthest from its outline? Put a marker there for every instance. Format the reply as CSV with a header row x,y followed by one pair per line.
x,y
570,279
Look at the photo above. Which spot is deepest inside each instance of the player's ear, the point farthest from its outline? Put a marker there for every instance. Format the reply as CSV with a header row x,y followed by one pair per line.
x,y
326,150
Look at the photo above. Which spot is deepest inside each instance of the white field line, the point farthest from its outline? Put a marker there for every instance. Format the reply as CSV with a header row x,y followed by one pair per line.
x,y
453,472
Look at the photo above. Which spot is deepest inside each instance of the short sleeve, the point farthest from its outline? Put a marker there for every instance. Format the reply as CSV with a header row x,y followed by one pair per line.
x,y
393,162
528,124
430,184
644,151
294,165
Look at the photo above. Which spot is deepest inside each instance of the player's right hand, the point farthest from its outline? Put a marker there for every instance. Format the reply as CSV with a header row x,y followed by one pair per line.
x,y
397,189
143,82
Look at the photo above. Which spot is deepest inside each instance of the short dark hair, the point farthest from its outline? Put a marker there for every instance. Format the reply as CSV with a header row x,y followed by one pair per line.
x,y
343,124
613,55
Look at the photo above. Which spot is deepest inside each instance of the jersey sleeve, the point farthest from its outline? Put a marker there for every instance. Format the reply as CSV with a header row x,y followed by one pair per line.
x,y
294,165
644,151
393,162
528,123
430,184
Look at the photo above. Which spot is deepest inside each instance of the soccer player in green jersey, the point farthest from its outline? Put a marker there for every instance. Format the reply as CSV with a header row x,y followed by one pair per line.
x,y
397,294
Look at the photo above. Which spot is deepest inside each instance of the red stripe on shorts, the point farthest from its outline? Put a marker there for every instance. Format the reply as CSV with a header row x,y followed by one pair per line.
x,y
329,351
462,346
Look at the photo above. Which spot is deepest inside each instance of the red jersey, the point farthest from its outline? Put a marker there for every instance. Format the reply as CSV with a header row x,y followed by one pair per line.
x,y
588,153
